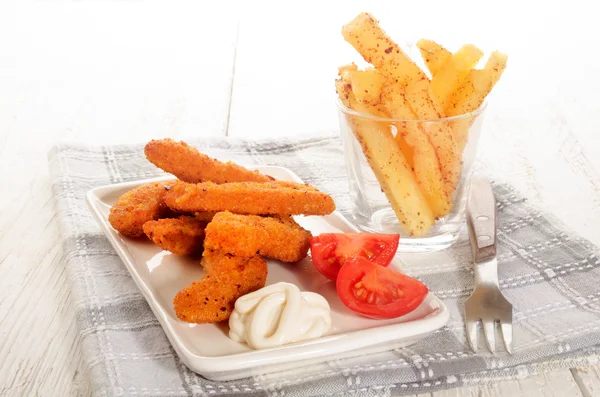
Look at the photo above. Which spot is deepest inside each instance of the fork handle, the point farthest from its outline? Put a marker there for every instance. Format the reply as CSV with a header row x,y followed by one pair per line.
x,y
481,220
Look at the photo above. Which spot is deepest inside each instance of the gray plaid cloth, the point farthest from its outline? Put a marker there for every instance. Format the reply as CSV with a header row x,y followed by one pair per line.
x,y
549,275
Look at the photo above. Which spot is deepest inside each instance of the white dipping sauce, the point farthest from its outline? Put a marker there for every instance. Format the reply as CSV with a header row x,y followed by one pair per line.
x,y
277,315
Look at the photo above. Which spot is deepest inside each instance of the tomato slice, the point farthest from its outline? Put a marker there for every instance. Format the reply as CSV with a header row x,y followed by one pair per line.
x,y
329,251
378,292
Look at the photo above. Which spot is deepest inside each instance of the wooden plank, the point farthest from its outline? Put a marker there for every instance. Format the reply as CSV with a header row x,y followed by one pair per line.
x,y
287,59
285,67
552,384
282,81
99,74
86,72
588,380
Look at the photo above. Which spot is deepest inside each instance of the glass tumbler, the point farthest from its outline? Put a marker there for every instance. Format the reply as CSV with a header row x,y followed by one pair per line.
x,y
373,149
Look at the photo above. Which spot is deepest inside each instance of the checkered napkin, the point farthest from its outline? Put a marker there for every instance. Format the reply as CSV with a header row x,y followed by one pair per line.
x,y
549,275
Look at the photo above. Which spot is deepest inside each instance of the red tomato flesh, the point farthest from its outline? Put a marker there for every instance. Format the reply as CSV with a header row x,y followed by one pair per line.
x,y
330,251
378,292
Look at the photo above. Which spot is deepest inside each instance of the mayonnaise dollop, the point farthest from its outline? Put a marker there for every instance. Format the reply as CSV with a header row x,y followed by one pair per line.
x,y
277,315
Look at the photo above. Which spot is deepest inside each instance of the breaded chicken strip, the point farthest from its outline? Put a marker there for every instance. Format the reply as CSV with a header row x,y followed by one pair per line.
x,y
269,198
212,299
249,235
189,165
181,236
138,206
205,216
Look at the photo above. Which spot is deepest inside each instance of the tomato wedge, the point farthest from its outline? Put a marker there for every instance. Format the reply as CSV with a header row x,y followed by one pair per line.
x,y
329,251
378,292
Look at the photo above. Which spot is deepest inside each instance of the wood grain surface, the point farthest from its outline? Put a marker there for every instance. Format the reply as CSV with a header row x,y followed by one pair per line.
x,y
123,72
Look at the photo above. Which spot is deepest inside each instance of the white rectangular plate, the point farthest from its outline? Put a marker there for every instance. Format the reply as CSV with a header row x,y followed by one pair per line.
x,y
206,348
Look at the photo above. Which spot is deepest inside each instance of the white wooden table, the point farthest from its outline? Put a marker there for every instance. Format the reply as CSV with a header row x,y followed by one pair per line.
x,y
120,72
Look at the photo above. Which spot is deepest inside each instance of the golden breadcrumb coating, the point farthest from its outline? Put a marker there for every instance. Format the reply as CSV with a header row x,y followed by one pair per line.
x,y
138,206
249,235
268,198
212,299
205,216
181,236
189,165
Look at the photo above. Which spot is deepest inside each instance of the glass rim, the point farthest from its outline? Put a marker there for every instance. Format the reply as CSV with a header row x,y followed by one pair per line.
x,y
347,110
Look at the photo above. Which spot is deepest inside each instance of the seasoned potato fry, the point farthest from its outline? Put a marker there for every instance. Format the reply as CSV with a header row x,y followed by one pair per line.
x,y
377,48
416,149
425,162
433,54
460,131
407,150
374,108
389,166
453,72
366,85
422,101
346,71
472,92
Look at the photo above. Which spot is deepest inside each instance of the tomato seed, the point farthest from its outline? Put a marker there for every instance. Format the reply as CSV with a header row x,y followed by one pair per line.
x,y
371,298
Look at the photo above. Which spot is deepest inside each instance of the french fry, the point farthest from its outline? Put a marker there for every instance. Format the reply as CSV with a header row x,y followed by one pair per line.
x,y
469,96
427,154
346,71
366,85
363,86
433,54
460,131
389,166
377,48
425,162
407,150
422,101
453,72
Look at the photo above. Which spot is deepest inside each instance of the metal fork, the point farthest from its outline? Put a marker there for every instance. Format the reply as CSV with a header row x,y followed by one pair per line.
x,y
486,303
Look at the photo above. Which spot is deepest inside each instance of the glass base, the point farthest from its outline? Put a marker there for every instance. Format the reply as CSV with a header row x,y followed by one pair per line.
x,y
442,235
